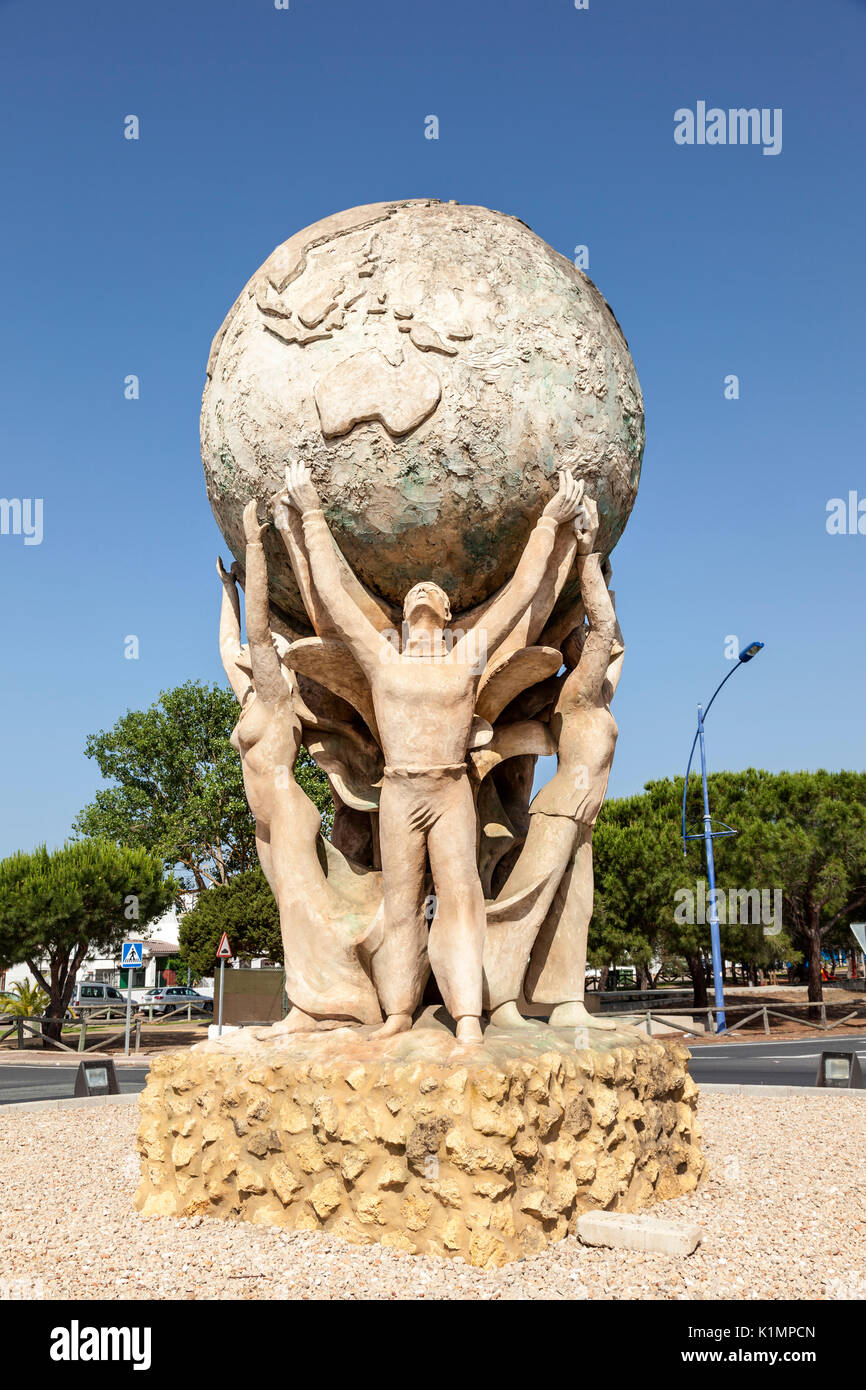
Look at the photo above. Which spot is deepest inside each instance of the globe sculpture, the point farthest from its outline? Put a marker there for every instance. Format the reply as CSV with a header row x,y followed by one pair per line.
x,y
422,436
434,365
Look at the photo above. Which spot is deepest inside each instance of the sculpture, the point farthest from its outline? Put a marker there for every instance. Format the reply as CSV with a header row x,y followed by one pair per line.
x,y
425,370
424,702
421,699
427,722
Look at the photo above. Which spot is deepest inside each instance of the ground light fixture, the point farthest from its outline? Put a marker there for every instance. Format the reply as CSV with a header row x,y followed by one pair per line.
x,y
96,1077
840,1070
708,835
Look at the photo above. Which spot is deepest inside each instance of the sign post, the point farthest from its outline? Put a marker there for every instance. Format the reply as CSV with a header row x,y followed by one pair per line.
x,y
859,930
224,953
130,957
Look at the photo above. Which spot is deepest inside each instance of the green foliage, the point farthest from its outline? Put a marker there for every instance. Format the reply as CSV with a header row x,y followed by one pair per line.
x,y
801,832
180,967
178,788
55,905
28,1001
245,909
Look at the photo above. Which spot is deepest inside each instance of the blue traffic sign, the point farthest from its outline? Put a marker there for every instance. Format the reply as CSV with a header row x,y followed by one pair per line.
x,y
131,953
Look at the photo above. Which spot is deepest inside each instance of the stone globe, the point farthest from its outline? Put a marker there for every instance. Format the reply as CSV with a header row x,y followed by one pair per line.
x,y
435,365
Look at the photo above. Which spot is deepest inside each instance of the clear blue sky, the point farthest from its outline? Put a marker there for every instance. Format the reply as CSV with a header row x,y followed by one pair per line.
x,y
123,257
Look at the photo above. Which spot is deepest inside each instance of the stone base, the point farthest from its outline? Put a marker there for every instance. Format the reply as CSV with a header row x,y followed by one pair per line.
x,y
489,1151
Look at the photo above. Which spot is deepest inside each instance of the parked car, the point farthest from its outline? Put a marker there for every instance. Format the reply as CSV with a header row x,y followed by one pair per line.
x,y
96,995
169,997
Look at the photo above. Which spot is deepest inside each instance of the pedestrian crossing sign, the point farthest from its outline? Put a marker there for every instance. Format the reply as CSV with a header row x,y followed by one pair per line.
x,y
130,954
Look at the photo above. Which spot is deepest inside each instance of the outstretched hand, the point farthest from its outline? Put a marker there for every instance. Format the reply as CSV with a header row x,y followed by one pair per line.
x,y
586,526
300,492
227,576
253,530
565,504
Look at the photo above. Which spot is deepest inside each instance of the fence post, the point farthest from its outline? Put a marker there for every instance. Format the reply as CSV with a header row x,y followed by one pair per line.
x,y
138,1033
824,1017
20,1032
766,1020
82,1034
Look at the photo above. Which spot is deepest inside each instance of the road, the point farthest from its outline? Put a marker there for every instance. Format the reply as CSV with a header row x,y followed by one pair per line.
x,y
753,1064
770,1063
54,1081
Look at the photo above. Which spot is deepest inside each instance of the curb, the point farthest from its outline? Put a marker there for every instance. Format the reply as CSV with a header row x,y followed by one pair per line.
x,y
71,1102
48,1059
736,1089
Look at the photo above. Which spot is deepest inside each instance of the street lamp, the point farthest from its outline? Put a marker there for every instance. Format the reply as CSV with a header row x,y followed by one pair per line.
x,y
708,835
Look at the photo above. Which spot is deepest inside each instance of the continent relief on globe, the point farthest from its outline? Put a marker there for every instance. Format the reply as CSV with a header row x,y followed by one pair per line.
x,y
435,365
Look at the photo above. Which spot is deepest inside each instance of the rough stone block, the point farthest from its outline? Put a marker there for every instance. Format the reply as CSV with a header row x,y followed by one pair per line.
x,y
633,1231
487,1151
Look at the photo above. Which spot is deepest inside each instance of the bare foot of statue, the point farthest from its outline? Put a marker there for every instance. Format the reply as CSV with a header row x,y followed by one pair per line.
x,y
469,1028
296,1021
573,1014
394,1023
509,1016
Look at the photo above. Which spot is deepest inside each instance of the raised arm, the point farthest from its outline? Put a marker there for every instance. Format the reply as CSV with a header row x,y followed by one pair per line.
x,y
268,679
230,631
341,611
506,610
587,679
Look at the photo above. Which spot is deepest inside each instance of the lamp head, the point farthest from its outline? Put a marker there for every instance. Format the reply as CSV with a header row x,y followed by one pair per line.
x,y
751,650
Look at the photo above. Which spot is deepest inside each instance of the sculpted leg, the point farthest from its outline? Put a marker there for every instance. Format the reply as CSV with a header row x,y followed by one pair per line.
x,y
515,919
456,942
557,967
399,965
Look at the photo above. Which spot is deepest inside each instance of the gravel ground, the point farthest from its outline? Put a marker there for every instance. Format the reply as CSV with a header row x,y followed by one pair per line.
x,y
783,1213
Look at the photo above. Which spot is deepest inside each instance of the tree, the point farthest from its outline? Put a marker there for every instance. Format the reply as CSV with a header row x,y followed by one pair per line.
x,y
178,789
801,833
805,833
55,905
245,909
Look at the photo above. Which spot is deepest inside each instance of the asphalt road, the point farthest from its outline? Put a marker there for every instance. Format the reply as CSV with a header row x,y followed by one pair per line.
x,y
54,1082
770,1063
753,1064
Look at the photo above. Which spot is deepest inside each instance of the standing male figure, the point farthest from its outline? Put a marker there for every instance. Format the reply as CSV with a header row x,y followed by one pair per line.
x,y
424,701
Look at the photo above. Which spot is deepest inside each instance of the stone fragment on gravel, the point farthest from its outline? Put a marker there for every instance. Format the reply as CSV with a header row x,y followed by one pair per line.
x,y
637,1231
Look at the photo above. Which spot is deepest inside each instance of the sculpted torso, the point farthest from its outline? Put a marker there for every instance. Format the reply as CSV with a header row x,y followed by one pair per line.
x,y
424,707
586,736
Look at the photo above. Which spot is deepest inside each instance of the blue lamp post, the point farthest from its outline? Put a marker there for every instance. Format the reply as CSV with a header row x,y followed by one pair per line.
x,y
708,835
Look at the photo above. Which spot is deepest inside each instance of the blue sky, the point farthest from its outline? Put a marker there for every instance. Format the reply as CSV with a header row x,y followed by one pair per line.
x,y
123,257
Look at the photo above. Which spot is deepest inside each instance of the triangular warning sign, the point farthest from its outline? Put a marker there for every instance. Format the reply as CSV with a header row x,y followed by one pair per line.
x,y
224,950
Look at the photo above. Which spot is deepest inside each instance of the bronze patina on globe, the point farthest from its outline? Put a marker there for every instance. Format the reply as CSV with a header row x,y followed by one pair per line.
x,y
435,365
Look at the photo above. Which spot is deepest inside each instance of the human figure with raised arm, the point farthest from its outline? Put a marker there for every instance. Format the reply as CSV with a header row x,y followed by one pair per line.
x,y
424,698
543,954
323,915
